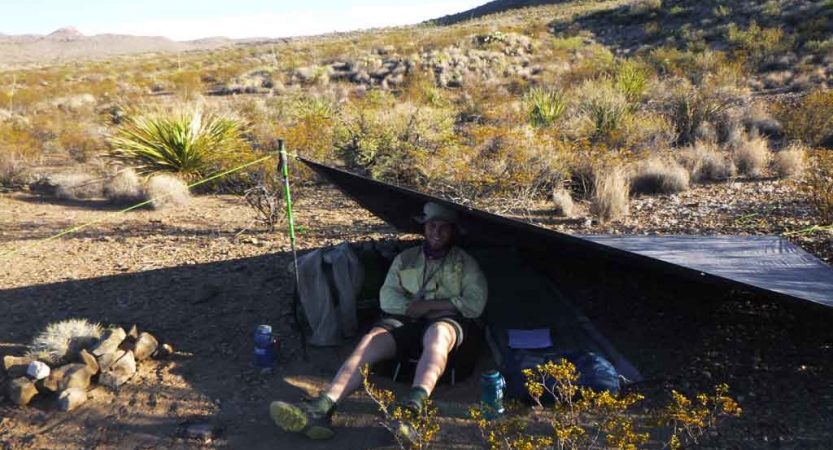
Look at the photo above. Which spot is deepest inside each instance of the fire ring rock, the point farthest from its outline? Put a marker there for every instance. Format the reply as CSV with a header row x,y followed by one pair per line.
x,y
109,342
21,391
37,370
15,366
71,399
118,371
76,376
144,346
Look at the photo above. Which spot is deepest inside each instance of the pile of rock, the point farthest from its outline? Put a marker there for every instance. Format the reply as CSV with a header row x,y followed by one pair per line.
x,y
110,361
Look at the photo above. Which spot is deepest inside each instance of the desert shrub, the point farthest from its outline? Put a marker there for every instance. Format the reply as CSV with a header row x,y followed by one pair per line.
x,y
631,80
820,182
167,191
581,418
659,176
545,106
645,7
610,194
649,130
124,187
705,132
810,119
186,142
705,163
752,156
62,341
689,107
605,108
393,143
14,171
516,164
791,161
79,140
562,202
757,43
76,186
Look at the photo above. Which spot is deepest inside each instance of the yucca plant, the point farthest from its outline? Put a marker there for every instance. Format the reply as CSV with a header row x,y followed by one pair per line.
x,y
187,142
545,106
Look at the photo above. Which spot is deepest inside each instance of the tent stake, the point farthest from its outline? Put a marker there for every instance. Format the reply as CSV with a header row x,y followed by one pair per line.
x,y
283,169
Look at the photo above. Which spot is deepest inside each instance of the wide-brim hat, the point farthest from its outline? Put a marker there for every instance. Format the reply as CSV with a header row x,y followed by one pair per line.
x,y
433,211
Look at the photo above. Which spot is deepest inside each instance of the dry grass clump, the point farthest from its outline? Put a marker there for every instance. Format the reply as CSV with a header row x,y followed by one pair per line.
x,y
562,203
658,176
167,191
76,186
610,194
705,163
791,161
14,172
752,156
125,187
62,341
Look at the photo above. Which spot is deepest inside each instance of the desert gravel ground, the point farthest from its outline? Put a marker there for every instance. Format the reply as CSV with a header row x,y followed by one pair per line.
x,y
204,276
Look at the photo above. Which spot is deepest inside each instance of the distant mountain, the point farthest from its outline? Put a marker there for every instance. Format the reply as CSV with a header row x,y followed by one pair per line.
x,y
69,44
66,32
496,6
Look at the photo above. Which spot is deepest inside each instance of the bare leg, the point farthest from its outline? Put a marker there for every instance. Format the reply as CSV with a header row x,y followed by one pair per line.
x,y
437,343
375,346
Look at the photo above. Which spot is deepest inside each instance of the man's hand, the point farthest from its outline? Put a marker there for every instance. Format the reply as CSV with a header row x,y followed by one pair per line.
x,y
417,309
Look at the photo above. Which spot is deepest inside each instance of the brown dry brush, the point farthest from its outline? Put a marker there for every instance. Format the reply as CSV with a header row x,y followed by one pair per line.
x,y
820,181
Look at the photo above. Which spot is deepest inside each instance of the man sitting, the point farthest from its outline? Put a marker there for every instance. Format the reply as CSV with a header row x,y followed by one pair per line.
x,y
430,296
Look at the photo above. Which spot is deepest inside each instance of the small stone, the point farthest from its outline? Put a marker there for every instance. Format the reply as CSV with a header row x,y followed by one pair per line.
x,y
16,366
89,360
71,399
105,361
21,391
77,376
164,351
133,333
145,346
37,370
201,431
119,371
109,342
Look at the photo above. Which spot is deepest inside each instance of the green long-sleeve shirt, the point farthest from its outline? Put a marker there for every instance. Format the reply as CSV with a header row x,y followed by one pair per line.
x,y
456,278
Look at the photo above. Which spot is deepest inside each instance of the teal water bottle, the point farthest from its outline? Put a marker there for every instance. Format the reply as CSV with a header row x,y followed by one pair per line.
x,y
492,385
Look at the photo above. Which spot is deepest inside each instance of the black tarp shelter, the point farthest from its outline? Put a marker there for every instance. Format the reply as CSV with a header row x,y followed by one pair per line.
x,y
768,265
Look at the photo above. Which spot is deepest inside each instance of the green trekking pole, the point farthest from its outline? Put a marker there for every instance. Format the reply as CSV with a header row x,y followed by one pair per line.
x,y
283,169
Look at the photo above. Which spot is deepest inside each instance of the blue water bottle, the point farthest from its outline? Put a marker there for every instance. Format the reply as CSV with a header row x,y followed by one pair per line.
x,y
264,346
492,385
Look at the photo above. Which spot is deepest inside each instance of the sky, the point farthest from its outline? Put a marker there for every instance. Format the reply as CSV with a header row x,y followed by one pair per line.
x,y
193,19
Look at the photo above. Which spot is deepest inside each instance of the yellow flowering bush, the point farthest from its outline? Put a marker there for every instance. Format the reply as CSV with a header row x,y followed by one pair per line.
x,y
581,418
424,426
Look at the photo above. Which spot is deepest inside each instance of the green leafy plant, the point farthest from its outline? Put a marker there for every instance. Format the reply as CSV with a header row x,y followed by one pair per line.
x,y
545,106
188,142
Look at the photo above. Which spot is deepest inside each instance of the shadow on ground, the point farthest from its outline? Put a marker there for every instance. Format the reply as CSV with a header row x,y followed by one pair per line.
x,y
776,356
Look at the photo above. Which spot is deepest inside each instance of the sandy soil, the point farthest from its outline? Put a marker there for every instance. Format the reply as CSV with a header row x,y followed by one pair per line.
x,y
203,277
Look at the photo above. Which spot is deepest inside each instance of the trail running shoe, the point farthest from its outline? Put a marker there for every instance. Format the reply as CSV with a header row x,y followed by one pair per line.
x,y
302,418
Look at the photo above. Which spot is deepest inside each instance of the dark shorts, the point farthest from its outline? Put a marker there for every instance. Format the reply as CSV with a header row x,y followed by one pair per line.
x,y
407,332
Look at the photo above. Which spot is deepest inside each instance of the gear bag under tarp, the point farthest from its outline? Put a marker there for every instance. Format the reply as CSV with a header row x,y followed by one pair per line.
x,y
329,280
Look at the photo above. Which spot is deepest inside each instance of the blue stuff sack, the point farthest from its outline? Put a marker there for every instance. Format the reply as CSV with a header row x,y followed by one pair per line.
x,y
595,372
